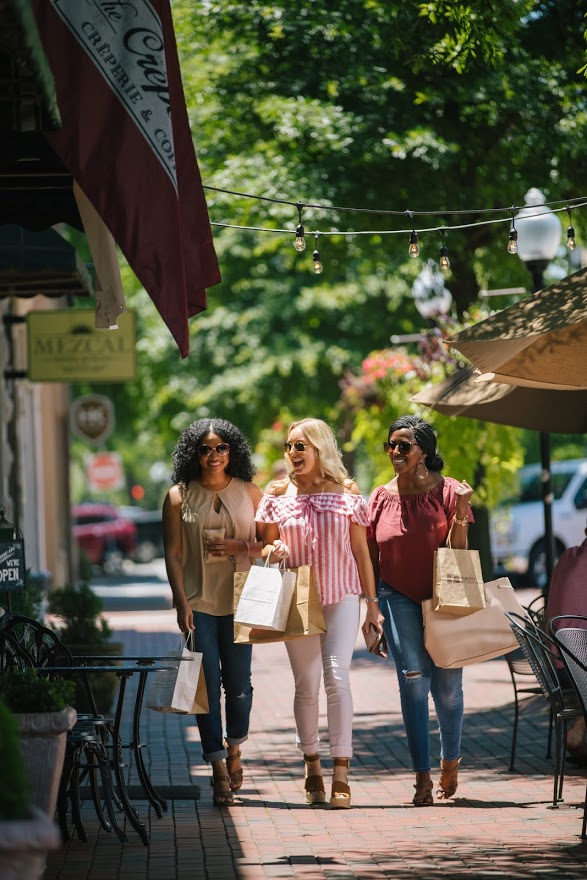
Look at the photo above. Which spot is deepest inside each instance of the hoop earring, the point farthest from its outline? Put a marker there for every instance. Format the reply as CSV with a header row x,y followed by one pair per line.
x,y
420,475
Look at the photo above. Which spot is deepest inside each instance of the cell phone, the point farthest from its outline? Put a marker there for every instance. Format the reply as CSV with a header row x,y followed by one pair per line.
x,y
375,641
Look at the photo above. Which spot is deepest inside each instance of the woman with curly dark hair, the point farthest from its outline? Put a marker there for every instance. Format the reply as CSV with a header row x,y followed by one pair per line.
x,y
208,534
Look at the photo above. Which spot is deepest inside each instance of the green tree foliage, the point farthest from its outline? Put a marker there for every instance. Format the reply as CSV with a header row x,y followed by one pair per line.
x,y
431,106
485,454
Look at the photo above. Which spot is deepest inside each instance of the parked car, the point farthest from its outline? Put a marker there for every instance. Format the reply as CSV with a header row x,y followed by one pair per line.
x,y
104,535
517,527
149,525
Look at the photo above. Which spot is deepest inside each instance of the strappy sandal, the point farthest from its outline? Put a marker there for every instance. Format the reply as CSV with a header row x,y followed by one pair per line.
x,y
448,782
423,786
221,796
340,796
236,776
314,785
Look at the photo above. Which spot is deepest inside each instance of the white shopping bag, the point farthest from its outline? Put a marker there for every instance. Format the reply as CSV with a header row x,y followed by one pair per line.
x,y
174,689
266,598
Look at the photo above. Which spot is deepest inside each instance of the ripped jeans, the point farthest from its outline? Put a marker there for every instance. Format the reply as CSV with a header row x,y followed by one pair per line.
x,y
229,666
418,677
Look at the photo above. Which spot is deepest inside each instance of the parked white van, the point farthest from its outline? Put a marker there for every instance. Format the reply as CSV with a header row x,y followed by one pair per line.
x,y
517,527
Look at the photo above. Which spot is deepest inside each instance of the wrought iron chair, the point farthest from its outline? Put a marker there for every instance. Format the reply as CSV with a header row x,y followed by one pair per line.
x,y
524,681
569,631
88,744
541,653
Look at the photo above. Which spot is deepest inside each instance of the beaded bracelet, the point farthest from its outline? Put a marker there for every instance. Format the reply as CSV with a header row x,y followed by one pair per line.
x,y
464,521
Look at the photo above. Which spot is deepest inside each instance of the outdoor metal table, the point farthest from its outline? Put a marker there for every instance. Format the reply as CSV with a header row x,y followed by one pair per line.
x,y
146,665
143,666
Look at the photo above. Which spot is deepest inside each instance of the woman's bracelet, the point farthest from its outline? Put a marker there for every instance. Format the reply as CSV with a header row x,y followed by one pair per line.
x,y
371,599
463,521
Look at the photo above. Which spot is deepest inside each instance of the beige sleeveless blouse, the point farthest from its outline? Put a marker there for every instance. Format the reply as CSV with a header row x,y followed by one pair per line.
x,y
209,586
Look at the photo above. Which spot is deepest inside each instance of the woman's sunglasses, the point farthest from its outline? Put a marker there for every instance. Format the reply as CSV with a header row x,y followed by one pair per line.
x,y
220,449
404,446
298,445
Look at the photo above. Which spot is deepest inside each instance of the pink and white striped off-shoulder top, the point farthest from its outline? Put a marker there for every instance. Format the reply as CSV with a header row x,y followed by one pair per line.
x,y
316,528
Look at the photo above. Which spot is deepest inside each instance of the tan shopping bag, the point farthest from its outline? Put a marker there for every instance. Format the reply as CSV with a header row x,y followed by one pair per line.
x,y
305,614
454,640
181,688
458,581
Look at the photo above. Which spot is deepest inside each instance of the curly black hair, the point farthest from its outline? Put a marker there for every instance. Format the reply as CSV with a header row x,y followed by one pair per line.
x,y
186,461
425,438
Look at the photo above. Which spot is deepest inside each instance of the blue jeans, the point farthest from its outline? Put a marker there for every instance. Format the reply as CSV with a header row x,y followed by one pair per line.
x,y
418,677
228,665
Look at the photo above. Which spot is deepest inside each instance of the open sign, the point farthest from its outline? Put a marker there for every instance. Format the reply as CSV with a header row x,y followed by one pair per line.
x,y
12,567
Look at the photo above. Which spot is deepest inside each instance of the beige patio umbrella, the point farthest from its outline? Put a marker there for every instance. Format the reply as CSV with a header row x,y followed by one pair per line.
x,y
544,409
465,393
539,342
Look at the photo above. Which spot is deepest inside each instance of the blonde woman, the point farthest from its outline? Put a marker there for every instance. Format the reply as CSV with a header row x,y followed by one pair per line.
x,y
317,516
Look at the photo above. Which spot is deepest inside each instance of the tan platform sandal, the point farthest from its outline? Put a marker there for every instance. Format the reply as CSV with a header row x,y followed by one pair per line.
x,y
314,784
423,786
448,782
340,796
236,774
222,795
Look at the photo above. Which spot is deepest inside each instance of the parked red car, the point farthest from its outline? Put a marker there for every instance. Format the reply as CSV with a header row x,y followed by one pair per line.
x,y
104,536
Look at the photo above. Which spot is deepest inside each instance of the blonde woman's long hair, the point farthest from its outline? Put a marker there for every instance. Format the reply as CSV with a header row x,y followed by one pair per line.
x,y
323,440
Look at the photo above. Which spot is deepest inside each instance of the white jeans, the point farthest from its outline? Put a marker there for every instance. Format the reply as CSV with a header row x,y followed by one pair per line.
x,y
331,652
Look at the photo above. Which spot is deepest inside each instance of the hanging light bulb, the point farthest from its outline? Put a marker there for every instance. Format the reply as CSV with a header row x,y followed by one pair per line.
x,y
300,242
414,250
316,257
571,242
444,260
513,242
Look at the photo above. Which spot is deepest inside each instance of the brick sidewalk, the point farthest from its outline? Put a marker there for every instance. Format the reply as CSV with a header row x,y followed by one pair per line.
x,y
499,825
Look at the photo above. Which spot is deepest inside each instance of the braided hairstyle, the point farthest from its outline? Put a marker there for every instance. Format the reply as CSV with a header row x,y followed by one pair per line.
x,y
424,436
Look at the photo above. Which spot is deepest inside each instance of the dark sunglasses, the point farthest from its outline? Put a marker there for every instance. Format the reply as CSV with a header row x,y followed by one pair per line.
x,y
220,449
298,445
404,446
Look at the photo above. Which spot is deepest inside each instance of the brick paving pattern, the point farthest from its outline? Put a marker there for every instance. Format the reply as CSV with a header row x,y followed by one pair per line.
x,y
498,826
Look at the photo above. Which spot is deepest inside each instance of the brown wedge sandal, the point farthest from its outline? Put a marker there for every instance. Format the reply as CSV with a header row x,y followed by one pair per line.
x,y
314,785
236,774
423,786
448,782
340,796
222,796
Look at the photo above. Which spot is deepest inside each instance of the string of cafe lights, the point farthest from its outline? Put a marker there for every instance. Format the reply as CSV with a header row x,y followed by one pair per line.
x,y
555,207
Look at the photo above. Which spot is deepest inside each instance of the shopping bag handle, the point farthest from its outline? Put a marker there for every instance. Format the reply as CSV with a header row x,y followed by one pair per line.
x,y
267,563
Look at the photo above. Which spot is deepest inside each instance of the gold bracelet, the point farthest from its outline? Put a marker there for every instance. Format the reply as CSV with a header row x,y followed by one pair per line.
x,y
464,521
371,599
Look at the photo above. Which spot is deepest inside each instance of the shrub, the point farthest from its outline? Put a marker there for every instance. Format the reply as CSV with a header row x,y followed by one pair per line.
x,y
14,789
80,610
26,690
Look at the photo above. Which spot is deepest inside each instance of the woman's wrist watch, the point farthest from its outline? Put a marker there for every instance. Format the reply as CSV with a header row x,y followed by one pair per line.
x,y
461,521
371,599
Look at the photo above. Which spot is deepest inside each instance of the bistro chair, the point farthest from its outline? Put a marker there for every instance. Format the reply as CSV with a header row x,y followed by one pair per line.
x,y
88,746
541,653
524,680
569,632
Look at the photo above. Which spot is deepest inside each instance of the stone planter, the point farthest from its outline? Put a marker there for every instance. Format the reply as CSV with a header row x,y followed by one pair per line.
x,y
43,739
24,845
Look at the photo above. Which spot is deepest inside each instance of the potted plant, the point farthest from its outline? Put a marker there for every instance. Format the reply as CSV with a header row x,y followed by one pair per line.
x,y
86,633
26,832
43,713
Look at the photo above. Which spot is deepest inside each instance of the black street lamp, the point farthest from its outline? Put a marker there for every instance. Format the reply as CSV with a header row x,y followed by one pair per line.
x,y
539,237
